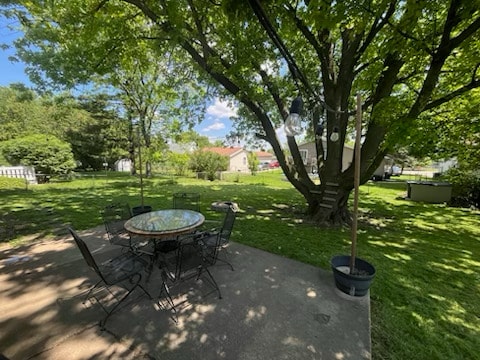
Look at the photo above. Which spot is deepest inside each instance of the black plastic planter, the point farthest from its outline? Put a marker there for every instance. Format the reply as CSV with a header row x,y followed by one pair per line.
x,y
356,284
137,210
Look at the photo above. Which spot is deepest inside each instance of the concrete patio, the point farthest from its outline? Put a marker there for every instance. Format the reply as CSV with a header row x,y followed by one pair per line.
x,y
272,308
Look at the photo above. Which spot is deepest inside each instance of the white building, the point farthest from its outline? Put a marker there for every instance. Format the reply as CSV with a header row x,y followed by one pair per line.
x,y
237,156
123,165
308,151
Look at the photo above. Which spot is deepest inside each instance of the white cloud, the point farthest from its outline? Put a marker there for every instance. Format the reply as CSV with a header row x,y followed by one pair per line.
x,y
221,109
217,125
281,136
268,67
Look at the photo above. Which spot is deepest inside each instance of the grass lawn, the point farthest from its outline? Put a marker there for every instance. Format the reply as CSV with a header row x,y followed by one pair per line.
x,y
425,298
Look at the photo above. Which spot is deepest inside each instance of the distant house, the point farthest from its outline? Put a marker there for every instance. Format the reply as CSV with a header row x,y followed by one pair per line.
x,y
308,152
264,156
309,155
238,160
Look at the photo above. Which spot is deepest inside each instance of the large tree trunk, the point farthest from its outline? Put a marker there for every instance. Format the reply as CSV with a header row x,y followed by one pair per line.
x,y
329,205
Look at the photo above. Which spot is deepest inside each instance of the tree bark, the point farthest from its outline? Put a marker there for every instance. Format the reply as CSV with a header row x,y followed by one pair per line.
x,y
328,205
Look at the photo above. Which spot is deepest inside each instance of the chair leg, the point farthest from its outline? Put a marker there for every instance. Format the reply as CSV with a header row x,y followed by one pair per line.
x,y
226,263
90,292
145,291
212,281
169,300
104,321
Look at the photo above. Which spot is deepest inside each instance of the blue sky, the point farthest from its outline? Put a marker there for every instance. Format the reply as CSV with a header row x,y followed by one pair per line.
x,y
215,125
10,72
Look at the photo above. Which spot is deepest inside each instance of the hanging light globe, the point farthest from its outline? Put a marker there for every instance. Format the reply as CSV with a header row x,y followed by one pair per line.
x,y
293,123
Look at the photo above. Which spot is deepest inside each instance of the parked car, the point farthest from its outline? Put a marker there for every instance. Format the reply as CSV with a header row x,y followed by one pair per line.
x,y
396,170
264,165
273,164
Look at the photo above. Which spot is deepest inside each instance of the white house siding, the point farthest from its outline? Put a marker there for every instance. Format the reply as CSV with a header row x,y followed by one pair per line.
x,y
309,154
239,161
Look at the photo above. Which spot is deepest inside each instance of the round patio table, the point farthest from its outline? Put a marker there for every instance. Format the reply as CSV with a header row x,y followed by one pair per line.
x,y
164,224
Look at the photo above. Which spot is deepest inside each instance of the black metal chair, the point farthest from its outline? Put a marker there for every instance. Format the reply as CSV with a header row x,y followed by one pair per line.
x,y
187,201
214,241
187,264
114,217
123,271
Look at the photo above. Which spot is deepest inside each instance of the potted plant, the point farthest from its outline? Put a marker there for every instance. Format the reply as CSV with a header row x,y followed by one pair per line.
x,y
353,275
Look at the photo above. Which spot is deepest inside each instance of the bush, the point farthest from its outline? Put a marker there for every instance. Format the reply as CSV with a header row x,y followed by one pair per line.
x,y
47,154
465,187
208,162
253,162
179,162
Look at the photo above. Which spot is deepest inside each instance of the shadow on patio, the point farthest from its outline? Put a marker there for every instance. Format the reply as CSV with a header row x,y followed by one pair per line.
x,y
272,308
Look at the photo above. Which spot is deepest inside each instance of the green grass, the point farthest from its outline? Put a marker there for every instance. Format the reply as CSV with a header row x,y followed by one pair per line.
x,y
425,298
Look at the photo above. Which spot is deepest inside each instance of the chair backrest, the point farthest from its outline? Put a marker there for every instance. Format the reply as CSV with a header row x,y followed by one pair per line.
x,y
227,226
120,211
187,201
188,258
114,216
87,255
214,241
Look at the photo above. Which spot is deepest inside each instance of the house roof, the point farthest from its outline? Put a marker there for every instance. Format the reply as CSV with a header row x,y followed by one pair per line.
x,y
264,154
225,151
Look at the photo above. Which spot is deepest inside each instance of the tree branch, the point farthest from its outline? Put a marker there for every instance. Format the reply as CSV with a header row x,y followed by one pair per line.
x,y
273,90
471,85
378,24
304,30
439,57
292,65
100,5
198,24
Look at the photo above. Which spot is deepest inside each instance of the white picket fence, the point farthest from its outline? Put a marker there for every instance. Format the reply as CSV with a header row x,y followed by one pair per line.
x,y
23,172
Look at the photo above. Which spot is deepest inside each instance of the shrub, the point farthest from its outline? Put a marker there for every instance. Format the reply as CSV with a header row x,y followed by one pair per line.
x,y
465,187
253,162
179,162
208,162
48,154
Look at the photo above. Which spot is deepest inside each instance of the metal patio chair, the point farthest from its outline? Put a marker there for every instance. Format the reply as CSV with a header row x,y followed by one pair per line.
x,y
187,264
114,216
215,241
123,271
187,201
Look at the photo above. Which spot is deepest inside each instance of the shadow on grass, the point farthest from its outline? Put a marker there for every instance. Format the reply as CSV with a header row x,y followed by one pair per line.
x,y
427,271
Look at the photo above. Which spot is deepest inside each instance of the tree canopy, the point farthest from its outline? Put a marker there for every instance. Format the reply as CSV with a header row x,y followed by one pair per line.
x,y
405,58
48,154
148,78
93,127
